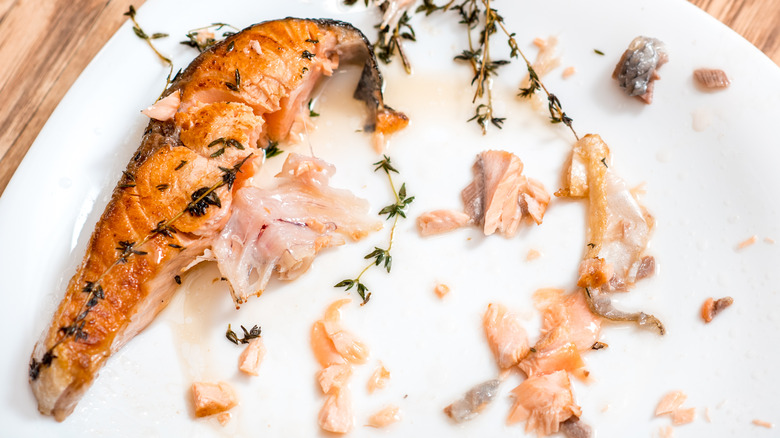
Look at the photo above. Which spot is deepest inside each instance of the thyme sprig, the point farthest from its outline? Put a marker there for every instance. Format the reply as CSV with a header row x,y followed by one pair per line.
x,y
140,33
476,13
557,115
390,38
195,40
381,256
484,67
389,41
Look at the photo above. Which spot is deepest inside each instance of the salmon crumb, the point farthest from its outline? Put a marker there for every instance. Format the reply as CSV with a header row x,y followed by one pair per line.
x,y
666,432
769,240
707,415
683,416
223,418
670,403
712,307
540,42
568,72
250,358
763,423
532,255
385,417
441,290
212,398
378,379
747,242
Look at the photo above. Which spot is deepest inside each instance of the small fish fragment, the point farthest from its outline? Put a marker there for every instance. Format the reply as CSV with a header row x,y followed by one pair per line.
x,y
336,414
441,290
574,428
670,402
441,221
475,400
500,197
250,359
212,398
666,432
712,307
507,338
378,379
763,423
569,329
385,417
636,72
747,242
165,108
223,418
683,416
711,78
544,402
345,343
334,376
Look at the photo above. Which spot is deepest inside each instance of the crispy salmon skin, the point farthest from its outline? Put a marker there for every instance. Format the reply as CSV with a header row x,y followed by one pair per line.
x,y
176,194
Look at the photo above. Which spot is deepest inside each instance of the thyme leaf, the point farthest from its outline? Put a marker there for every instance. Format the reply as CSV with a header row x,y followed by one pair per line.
x,y
201,200
272,150
253,333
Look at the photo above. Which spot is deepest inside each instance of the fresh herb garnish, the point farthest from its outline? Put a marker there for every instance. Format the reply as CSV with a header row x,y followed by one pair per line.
x,y
272,149
311,110
202,41
235,86
248,335
598,52
381,256
148,38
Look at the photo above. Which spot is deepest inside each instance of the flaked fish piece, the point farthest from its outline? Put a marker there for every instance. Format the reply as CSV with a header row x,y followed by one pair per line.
x,y
712,307
544,402
507,338
250,359
711,78
378,379
334,376
337,414
568,330
670,402
618,231
441,221
499,194
637,70
334,344
278,230
177,192
212,398
473,402
384,417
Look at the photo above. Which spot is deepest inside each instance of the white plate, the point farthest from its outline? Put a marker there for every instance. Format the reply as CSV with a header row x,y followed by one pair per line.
x,y
708,189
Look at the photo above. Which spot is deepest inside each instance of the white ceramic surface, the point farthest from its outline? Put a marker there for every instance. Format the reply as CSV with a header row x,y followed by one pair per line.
x,y
709,189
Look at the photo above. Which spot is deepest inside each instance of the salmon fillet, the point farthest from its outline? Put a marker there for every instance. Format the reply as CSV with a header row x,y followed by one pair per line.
x,y
176,193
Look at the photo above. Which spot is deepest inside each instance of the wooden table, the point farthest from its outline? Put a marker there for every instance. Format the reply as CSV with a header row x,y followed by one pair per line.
x,y
45,44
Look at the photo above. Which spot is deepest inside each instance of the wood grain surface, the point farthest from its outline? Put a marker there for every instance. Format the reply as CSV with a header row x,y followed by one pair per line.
x,y
45,44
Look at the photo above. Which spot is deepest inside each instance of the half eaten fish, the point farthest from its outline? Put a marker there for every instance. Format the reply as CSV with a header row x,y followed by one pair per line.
x,y
184,183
